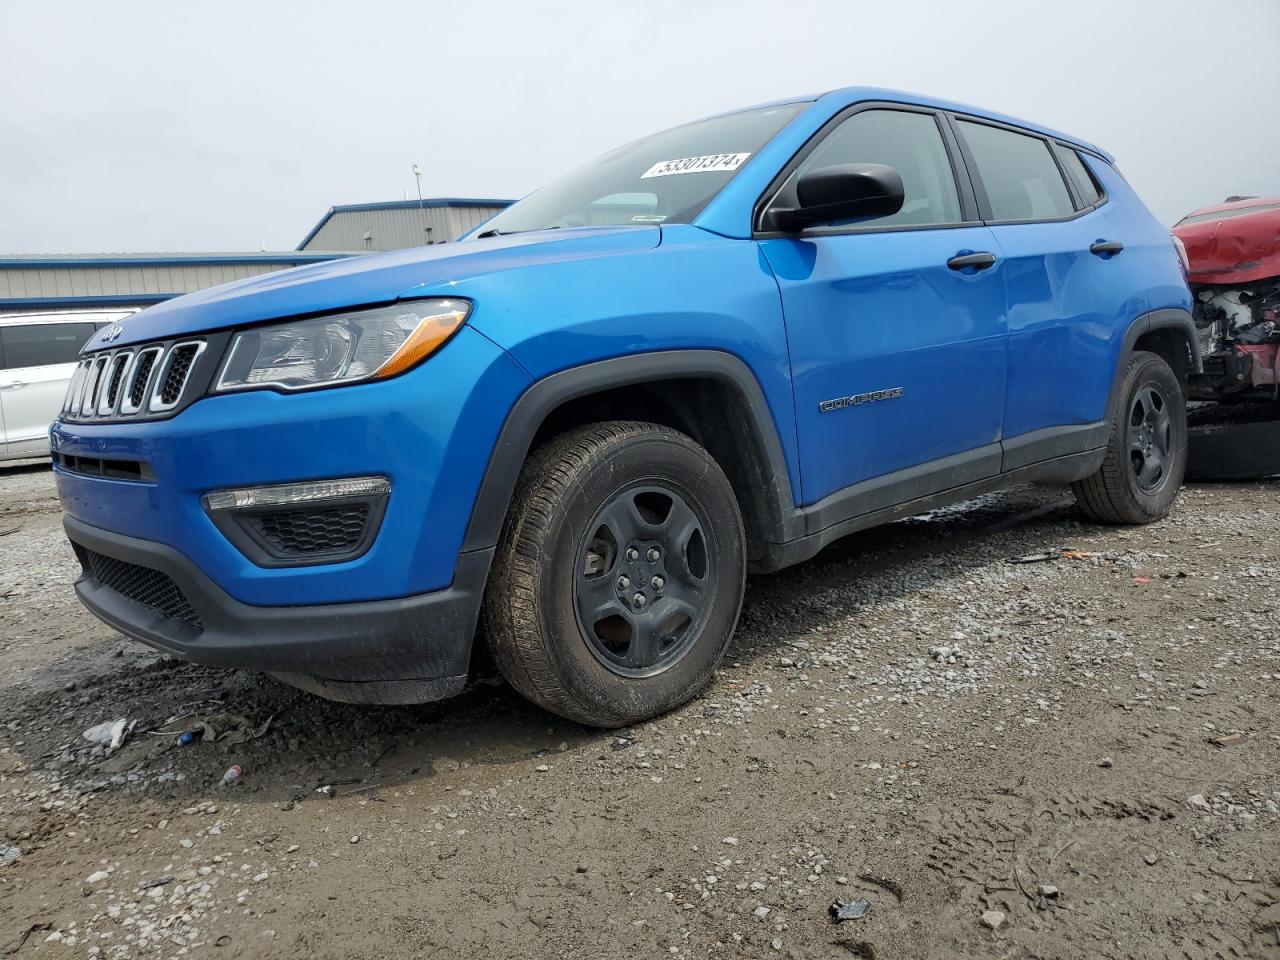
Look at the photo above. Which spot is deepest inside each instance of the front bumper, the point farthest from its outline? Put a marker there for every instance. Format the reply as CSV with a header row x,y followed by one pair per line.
x,y
429,432
405,650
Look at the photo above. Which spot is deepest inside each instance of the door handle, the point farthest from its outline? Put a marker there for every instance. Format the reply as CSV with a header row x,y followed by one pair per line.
x,y
978,261
1106,248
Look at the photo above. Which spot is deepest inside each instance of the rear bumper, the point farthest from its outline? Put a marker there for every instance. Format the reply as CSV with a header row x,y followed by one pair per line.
x,y
404,650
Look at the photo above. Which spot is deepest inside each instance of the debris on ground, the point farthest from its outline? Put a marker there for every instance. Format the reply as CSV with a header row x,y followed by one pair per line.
x,y
231,729
1036,557
939,719
231,776
110,733
842,910
992,919
9,853
1229,740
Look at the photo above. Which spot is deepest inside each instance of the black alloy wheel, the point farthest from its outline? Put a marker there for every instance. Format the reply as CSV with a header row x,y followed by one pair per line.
x,y
641,588
1150,437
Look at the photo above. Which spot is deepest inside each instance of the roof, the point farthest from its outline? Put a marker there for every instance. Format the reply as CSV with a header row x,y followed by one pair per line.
x,y
851,95
15,261
399,205
100,280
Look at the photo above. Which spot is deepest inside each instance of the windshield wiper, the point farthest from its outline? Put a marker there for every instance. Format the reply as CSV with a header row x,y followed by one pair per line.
x,y
508,233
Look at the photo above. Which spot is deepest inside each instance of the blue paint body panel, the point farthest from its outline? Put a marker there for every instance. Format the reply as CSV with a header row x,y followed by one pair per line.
x,y
970,359
881,311
430,432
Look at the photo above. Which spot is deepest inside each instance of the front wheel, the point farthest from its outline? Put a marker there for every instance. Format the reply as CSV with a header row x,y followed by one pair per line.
x,y
617,583
1146,449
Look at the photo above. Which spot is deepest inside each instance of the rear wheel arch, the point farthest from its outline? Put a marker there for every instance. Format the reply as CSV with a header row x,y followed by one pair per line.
x,y
710,395
1169,333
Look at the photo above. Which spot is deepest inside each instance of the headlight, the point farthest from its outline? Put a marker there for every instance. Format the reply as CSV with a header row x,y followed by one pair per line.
x,y
341,347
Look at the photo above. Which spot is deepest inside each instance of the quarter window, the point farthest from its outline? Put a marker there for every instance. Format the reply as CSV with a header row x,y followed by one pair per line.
x,y
908,142
1086,186
42,344
1018,172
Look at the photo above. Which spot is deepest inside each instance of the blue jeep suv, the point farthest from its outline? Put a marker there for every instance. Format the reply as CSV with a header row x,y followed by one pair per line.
x,y
573,433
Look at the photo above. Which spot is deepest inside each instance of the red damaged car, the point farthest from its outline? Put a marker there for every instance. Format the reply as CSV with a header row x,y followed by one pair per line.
x,y
1233,255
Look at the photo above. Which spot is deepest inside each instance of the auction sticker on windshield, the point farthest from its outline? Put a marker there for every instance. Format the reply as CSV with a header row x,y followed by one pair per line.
x,y
712,163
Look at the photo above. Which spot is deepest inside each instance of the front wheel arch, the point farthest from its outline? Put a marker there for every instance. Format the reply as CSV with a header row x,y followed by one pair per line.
x,y
761,477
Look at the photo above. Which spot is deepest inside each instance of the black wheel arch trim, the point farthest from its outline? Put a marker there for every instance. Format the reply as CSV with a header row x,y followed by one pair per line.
x,y
541,399
1168,318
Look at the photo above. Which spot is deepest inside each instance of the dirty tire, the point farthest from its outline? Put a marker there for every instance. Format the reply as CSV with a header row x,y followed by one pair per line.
x,y
1233,442
1119,492
573,494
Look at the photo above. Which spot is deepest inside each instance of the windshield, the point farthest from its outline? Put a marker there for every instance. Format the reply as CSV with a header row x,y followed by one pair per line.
x,y
667,177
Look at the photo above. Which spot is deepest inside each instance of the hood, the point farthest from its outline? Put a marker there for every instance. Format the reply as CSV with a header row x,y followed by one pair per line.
x,y
447,269
1233,243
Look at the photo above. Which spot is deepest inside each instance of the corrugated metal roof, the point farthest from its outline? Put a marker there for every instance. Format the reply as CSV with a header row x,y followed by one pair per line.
x,y
59,281
293,257
407,232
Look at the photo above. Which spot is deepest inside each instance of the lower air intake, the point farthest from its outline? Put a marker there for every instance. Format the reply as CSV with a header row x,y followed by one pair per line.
x,y
301,533
144,586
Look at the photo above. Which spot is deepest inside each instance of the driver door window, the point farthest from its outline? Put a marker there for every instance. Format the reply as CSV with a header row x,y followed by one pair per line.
x,y
908,142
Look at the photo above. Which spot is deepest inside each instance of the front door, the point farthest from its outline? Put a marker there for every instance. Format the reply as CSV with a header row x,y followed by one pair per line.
x,y
896,327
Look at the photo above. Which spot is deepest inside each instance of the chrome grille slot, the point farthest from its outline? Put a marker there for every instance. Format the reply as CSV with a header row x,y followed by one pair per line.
x,y
132,382
86,374
95,383
112,378
172,378
73,388
140,379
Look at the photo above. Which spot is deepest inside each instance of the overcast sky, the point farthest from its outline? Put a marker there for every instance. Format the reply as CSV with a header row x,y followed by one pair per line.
x,y
172,126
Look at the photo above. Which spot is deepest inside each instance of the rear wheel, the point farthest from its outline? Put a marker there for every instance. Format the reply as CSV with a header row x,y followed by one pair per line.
x,y
1146,449
618,581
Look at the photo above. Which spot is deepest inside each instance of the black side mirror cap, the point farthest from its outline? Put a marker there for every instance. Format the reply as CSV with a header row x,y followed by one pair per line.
x,y
847,191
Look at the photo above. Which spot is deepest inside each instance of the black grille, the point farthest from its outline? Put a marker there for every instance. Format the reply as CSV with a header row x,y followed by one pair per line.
x,y
96,467
176,375
149,382
142,585
113,388
305,532
95,386
141,373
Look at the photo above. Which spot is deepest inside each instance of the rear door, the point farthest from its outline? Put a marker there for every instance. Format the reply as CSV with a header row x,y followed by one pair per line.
x,y
1069,286
897,347
38,361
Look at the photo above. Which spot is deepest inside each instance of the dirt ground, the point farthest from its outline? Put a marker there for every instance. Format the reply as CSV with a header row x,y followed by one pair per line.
x,y
1074,756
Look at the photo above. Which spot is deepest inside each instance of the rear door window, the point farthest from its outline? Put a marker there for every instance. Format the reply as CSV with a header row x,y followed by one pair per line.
x,y
42,344
1019,174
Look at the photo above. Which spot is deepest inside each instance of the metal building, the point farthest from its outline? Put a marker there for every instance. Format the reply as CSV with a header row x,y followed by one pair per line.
x,y
45,283
398,224
37,284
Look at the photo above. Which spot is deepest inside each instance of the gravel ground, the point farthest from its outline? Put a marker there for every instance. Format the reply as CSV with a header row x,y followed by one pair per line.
x,y
1074,756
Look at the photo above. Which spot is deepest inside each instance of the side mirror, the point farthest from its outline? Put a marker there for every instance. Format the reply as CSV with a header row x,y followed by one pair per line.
x,y
848,191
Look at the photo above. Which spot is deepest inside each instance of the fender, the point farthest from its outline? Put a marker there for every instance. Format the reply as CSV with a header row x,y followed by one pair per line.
x,y
544,396
1168,318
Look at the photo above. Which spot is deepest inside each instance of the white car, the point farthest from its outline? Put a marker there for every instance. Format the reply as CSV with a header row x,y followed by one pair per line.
x,y
38,355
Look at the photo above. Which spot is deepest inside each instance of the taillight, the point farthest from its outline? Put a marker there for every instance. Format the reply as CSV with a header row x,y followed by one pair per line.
x,y
1182,254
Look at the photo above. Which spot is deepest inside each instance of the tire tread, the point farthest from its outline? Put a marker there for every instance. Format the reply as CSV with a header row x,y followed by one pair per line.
x,y
1105,496
511,604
